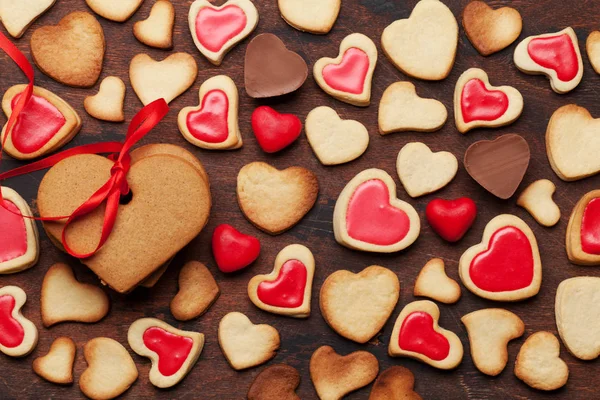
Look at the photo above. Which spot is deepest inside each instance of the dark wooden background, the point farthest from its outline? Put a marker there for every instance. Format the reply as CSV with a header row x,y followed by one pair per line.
x,y
212,378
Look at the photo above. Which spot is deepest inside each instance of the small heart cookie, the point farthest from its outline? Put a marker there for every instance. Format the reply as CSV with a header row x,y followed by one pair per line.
x,y
115,10
274,131
107,104
539,364
357,306
417,335
506,265
157,29
213,124
286,290
232,249
489,331
555,55
592,47
198,290
244,344
401,109
216,30
277,382
478,104
422,171
167,79
369,217
537,200
334,140
18,16
57,365
395,383
451,219
348,76
314,16
491,30
18,336
582,238
433,282
424,45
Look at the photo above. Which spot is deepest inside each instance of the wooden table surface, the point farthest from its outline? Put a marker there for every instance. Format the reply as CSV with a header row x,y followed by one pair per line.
x,y
212,378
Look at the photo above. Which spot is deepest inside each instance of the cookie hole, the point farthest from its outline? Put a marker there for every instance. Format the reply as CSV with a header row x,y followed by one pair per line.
x,y
126,198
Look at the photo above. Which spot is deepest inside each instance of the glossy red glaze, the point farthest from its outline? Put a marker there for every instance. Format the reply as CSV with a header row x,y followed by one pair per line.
x,y
232,249
451,219
590,228
11,331
274,131
417,335
287,290
214,27
556,53
172,349
349,75
13,233
480,104
209,123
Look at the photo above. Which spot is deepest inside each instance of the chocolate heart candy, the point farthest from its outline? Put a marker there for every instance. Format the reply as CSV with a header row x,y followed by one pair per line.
x,y
498,165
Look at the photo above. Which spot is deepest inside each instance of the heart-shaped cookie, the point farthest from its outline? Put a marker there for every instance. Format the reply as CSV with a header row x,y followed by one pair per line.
x,y
213,124
451,219
274,131
198,290
314,16
417,335
270,69
357,306
57,365
115,10
506,265
275,200
422,171
537,199
395,383
244,344
288,288
157,29
232,249
478,104
72,51
369,217
433,282
107,104
491,30
424,45
216,30
539,364
19,239
335,140
348,76
401,109
16,17
583,234
18,336
592,47
555,55
277,382
498,165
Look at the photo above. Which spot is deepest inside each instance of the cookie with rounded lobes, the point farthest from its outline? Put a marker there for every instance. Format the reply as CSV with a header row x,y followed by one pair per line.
x,y
424,45
592,47
216,30
110,372
232,249
478,104
213,124
274,131
498,165
17,17
369,217
115,10
275,200
357,306
244,344
555,55
582,238
451,219
18,336
506,265
489,331
277,382
401,109
198,290
107,104
288,288
270,69
72,51
537,200
167,79
173,352
395,383
422,171
433,282
57,365
334,140
539,364
334,376
45,124
157,29
417,335
489,30
19,238
313,16
348,76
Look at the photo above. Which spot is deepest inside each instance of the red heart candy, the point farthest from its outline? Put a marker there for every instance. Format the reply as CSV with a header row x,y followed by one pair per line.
x,y
172,349
13,234
232,249
479,104
274,131
214,28
556,53
349,75
417,335
11,331
451,219
590,227
209,123
288,289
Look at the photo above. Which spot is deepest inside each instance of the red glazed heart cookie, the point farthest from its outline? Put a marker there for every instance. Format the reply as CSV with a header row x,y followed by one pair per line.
x,y
232,249
583,231
451,219
369,217
506,265
274,131
18,335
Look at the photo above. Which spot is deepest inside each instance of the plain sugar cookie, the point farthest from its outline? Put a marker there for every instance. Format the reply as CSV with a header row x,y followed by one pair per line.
x,y
433,282
537,200
18,16
157,29
107,104
491,30
539,364
314,16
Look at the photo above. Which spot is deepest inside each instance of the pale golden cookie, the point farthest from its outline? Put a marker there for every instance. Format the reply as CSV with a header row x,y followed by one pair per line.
x,y
433,282
539,364
198,290
157,29
18,16
57,365
115,10
592,46
107,104
537,200
314,16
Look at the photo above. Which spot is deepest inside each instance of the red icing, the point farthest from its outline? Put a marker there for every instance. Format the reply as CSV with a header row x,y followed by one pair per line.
x,y
37,123
287,290
209,123
506,265
371,218
451,219
232,249
349,75
556,53
11,331
13,234
590,228
214,27
417,335
479,104
172,349
274,131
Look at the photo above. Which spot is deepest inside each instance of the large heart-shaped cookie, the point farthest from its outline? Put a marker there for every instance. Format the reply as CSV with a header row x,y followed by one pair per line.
x,y
539,364
491,30
115,10
17,16
314,16
19,239
583,232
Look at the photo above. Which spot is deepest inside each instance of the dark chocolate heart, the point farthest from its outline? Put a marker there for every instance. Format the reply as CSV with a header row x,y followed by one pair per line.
x,y
498,165
271,69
